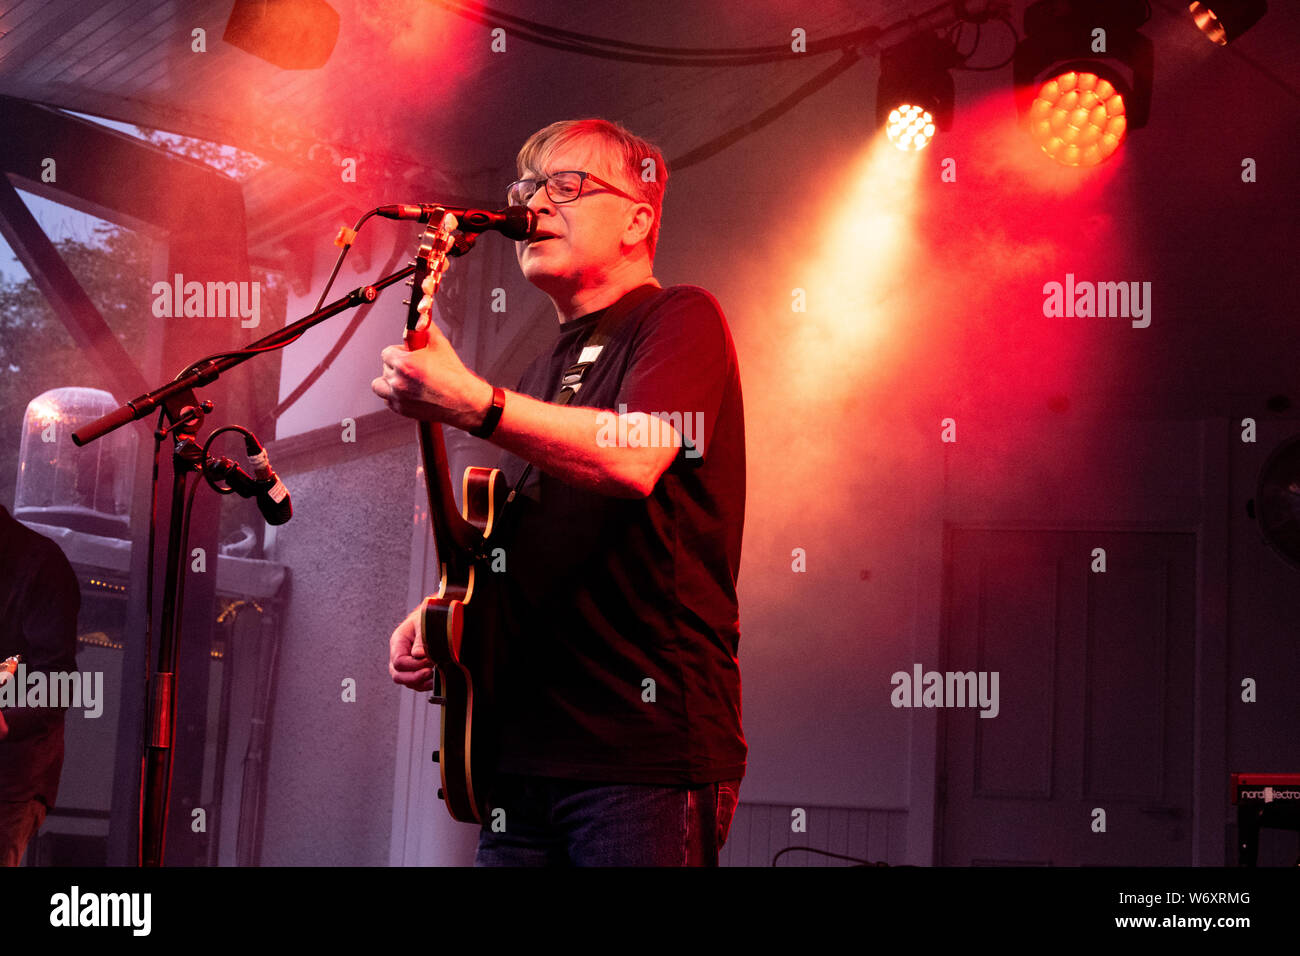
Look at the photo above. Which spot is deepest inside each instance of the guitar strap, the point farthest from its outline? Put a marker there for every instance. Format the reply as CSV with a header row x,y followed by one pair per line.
x,y
571,380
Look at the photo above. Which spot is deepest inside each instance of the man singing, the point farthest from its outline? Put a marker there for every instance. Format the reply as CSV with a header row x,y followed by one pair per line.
x,y
619,704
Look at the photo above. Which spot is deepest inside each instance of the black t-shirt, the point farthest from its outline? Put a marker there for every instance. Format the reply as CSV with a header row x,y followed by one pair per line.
x,y
621,624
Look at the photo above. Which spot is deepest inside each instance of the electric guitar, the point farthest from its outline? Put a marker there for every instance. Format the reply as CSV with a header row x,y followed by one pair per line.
x,y
456,633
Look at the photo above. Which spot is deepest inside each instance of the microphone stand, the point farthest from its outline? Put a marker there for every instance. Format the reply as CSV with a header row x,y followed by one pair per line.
x,y
185,413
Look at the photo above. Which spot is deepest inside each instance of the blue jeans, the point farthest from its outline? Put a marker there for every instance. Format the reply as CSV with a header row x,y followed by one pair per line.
x,y
546,821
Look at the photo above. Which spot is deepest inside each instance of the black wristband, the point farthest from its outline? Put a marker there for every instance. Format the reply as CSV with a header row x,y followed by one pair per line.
x,y
493,414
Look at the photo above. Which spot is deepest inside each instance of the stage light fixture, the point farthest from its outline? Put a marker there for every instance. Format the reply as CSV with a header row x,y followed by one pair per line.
x,y
291,34
1083,77
1222,21
1078,118
910,127
914,97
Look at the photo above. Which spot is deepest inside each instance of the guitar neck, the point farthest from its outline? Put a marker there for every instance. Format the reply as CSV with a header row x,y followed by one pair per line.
x,y
454,537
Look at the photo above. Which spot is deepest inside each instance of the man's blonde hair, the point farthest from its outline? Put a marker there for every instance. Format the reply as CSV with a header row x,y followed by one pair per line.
x,y
635,157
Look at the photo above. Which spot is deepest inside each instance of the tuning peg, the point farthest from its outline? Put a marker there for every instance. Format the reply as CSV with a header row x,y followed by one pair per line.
x,y
441,795
406,302
435,756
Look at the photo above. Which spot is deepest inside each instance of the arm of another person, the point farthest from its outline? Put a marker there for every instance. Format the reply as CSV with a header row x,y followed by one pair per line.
x,y
49,622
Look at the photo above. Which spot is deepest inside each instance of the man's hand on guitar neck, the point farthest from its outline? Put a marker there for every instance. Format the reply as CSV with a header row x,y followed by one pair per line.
x,y
432,384
407,663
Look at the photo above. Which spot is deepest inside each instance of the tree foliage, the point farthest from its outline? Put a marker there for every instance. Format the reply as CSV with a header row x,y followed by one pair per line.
x,y
235,163
37,353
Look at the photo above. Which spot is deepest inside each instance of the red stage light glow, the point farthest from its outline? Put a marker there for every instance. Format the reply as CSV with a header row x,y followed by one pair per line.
x,y
910,127
1208,23
1078,118
1222,21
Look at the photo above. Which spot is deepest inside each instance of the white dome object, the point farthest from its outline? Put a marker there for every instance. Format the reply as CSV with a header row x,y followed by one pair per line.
x,y
87,489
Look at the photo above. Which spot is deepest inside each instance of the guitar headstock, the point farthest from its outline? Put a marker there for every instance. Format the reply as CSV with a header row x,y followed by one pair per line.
x,y
436,243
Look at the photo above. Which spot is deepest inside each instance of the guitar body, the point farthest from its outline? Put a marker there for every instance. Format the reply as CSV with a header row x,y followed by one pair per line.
x,y
455,626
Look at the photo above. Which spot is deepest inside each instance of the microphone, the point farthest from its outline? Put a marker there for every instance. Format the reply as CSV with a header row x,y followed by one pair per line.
x,y
513,222
273,497
264,485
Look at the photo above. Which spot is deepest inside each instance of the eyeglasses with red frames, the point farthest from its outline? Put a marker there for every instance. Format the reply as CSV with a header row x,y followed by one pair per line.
x,y
563,186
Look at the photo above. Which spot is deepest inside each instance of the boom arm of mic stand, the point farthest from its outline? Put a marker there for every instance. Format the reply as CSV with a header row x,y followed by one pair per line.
x,y
142,405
